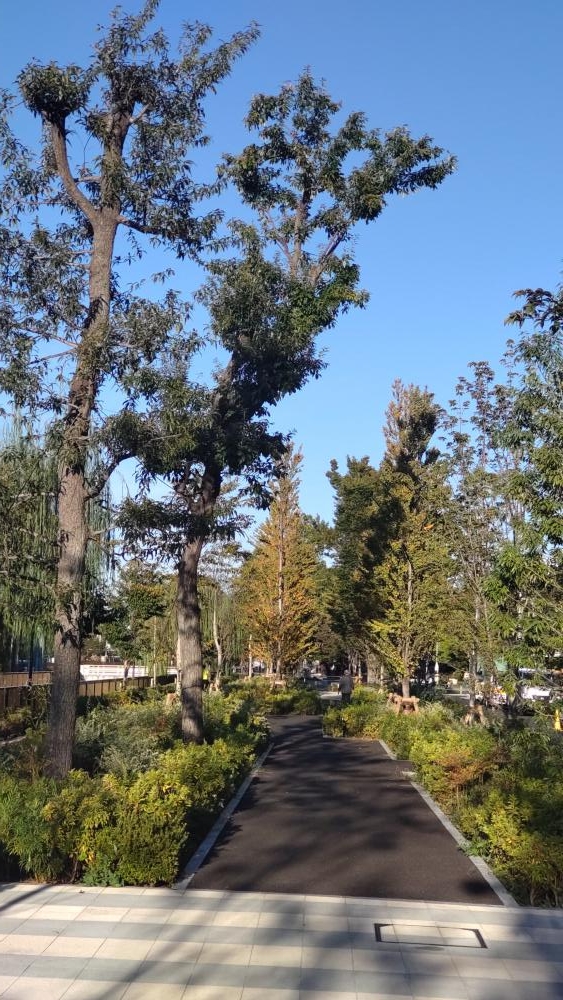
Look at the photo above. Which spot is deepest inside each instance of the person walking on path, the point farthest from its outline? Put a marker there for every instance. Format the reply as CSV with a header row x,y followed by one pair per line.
x,y
345,687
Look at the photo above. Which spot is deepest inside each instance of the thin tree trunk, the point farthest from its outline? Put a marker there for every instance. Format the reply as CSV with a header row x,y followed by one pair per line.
x,y
406,680
189,655
217,642
371,664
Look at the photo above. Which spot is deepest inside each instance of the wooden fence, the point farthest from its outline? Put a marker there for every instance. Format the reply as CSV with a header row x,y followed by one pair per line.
x,y
15,692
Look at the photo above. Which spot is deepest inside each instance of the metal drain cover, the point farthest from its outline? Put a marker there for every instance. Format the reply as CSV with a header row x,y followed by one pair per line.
x,y
429,935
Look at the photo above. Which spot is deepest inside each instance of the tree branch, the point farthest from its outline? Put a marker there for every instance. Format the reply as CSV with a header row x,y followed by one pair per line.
x,y
58,139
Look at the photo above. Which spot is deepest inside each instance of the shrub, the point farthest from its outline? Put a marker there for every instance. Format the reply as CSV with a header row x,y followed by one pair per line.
x,y
125,739
116,830
451,759
15,723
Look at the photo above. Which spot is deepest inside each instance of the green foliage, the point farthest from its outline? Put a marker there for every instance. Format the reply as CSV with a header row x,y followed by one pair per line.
x,y
115,829
269,700
125,739
15,723
450,760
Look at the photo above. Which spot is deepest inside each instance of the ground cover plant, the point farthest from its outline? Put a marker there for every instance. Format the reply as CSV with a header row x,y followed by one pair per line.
x,y
501,785
137,801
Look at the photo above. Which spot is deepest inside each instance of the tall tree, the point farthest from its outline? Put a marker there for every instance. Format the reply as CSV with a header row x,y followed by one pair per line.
x,y
220,613
527,582
411,581
137,113
308,184
278,582
480,513
363,515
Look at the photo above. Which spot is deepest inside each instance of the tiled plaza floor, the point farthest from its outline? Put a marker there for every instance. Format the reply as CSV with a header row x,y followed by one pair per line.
x,y
165,944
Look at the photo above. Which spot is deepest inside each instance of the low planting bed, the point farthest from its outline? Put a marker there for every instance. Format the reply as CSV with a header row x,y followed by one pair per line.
x,y
138,800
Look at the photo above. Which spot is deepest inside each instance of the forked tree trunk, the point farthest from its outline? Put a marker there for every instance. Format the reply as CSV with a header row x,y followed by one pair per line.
x,y
189,652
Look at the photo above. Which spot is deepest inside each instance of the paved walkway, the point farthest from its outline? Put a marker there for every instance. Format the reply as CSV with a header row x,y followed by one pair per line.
x,y
153,944
338,817
200,943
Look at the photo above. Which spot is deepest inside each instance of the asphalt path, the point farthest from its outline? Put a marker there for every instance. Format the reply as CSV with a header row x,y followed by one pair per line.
x,y
337,817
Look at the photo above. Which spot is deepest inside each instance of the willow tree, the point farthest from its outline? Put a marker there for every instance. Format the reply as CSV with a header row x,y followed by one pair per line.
x,y
307,182
27,541
113,179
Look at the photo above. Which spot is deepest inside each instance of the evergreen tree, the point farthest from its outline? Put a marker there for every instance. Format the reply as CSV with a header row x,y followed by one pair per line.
x,y
364,515
411,582
279,581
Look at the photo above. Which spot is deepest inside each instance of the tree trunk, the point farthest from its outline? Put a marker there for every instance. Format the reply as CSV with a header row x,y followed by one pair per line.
x,y
189,654
217,641
372,671
68,616
406,686
91,352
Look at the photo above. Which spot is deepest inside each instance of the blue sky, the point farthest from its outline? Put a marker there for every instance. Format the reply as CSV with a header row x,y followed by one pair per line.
x,y
484,79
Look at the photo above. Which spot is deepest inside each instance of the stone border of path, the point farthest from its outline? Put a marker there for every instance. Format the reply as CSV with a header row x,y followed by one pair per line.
x,y
481,866
197,859
206,845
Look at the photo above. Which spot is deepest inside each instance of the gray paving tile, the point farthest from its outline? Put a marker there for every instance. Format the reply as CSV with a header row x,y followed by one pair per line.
x,y
55,967
230,935
83,989
15,965
358,940
330,939
275,904
177,973
428,962
111,969
439,988
382,983
213,993
282,936
200,902
133,932
90,928
378,961
242,903
536,971
269,977
328,909
34,926
47,989
494,989
328,980
8,925
218,975
183,932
